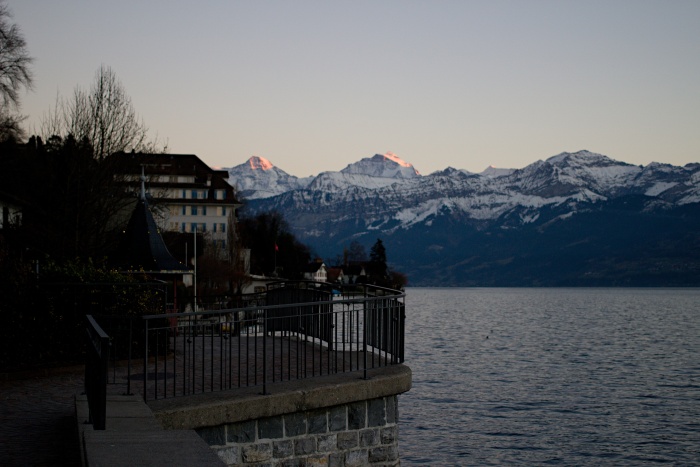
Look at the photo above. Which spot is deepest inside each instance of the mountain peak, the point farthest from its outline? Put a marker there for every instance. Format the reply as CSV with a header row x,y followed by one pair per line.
x,y
259,178
259,163
394,158
387,165
582,155
493,172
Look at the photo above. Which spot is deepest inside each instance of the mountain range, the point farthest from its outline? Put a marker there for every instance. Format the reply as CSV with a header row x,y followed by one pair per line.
x,y
574,219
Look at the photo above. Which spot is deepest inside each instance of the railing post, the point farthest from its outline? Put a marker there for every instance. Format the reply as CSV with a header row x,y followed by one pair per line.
x,y
145,358
96,367
128,363
364,335
264,344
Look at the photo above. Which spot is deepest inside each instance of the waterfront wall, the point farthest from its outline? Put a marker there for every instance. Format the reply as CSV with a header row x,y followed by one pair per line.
x,y
356,434
341,420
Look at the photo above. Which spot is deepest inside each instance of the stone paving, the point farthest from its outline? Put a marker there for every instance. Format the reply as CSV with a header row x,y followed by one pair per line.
x,y
37,418
212,364
37,412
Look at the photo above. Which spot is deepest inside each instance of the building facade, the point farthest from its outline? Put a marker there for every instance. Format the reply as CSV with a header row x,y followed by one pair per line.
x,y
316,271
186,195
10,211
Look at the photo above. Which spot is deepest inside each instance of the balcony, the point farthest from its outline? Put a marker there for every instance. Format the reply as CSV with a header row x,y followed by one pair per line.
x,y
303,372
293,331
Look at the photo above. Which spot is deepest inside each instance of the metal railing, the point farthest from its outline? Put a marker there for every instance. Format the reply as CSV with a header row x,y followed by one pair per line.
x,y
293,331
96,366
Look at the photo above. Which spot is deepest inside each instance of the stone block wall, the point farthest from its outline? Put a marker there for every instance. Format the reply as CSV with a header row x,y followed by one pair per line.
x,y
354,434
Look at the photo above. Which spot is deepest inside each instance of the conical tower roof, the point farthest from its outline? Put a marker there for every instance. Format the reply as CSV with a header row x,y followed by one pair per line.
x,y
142,247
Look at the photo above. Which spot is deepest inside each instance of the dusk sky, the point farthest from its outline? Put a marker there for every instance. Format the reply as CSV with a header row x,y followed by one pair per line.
x,y
316,85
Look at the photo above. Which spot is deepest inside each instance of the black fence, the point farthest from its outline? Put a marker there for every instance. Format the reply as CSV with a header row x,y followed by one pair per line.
x,y
295,330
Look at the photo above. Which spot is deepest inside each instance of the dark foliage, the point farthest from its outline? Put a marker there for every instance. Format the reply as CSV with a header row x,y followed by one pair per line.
x,y
51,272
71,201
274,249
44,310
377,261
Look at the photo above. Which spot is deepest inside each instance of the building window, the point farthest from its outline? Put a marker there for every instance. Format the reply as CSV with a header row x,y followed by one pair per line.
x,y
184,194
193,210
223,228
204,210
184,210
184,227
223,210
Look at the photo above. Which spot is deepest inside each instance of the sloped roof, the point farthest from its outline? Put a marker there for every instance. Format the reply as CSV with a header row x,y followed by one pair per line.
x,y
334,274
142,246
176,164
314,267
354,270
10,199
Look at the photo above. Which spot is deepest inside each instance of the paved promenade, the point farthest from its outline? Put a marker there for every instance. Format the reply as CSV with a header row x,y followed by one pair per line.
x,y
37,418
38,426
37,412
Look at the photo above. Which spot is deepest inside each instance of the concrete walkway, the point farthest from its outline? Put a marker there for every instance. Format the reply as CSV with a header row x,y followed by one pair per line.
x,y
38,413
134,437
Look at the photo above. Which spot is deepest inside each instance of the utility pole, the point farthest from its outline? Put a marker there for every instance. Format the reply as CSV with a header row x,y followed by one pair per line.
x,y
195,267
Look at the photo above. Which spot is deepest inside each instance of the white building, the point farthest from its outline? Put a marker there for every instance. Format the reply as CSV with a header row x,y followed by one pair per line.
x,y
316,271
185,194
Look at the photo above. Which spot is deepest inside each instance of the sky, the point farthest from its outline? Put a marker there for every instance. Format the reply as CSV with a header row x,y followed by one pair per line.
x,y
314,86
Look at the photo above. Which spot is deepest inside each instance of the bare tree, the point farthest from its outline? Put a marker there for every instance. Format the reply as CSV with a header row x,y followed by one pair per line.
x,y
103,115
10,125
14,60
14,74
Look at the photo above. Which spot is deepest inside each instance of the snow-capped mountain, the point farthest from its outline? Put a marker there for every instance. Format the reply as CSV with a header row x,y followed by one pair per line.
x,y
388,165
259,178
432,218
494,172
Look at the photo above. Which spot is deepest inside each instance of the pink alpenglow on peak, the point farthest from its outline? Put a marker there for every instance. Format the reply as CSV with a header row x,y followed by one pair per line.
x,y
394,158
259,163
387,165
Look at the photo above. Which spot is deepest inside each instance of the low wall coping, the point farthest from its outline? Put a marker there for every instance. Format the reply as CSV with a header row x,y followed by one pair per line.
x,y
242,404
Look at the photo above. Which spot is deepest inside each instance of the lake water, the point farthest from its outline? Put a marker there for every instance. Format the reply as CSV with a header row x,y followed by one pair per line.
x,y
552,376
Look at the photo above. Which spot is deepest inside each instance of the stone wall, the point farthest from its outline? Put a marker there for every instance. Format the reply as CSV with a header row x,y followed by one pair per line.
x,y
337,420
355,434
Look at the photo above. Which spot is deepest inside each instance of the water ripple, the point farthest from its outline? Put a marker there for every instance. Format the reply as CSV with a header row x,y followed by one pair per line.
x,y
552,376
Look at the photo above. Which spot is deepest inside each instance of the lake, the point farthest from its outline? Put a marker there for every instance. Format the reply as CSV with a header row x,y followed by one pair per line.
x,y
552,376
